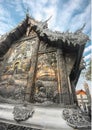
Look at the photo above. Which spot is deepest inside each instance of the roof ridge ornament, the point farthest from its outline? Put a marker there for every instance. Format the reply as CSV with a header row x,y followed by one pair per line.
x,y
80,29
48,19
44,24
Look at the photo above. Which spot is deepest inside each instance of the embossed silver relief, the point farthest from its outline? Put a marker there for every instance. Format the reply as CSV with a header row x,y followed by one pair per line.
x,y
75,118
20,53
22,113
15,73
23,50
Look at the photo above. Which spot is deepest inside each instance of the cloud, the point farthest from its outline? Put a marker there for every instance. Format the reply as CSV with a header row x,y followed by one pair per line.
x,y
41,9
87,49
87,64
82,80
76,21
88,57
62,12
6,21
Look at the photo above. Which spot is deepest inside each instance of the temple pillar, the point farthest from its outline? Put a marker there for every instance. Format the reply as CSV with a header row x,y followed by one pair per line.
x,y
74,93
30,90
70,90
64,86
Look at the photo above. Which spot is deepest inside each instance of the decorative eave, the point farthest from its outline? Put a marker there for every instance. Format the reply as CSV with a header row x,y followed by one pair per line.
x,y
77,38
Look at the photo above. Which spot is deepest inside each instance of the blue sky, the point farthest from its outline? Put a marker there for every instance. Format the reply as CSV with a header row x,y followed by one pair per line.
x,y
66,14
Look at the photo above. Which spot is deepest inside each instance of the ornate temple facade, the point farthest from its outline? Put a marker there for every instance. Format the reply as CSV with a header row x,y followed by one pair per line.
x,y
39,66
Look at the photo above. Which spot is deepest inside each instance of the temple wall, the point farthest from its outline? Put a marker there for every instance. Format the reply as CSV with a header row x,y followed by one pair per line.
x,y
36,72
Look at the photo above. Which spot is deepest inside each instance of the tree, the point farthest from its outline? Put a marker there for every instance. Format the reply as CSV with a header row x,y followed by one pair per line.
x,y
88,72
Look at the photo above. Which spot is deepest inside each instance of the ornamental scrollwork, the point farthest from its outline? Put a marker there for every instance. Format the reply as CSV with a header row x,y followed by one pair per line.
x,y
22,113
75,118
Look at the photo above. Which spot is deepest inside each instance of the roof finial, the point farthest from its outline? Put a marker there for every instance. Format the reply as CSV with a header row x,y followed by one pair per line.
x,y
27,12
80,30
48,19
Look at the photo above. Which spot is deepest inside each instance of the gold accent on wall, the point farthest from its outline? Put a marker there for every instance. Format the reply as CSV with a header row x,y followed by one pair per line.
x,y
17,63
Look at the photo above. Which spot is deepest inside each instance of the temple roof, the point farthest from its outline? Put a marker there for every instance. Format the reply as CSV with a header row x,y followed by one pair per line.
x,y
65,39
80,92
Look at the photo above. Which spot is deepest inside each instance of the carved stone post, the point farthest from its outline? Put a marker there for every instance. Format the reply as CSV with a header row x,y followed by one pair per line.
x,y
63,78
32,74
